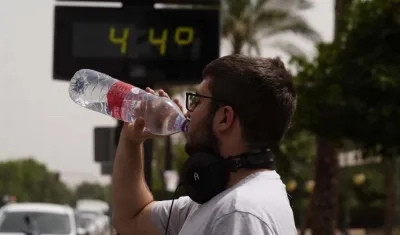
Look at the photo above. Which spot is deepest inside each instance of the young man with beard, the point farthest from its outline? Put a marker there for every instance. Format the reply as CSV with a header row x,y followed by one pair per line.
x,y
242,104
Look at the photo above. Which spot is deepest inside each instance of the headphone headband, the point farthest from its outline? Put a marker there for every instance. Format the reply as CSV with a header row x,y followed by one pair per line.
x,y
262,159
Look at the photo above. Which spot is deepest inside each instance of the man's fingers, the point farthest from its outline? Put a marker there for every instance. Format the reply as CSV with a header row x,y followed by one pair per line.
x,y
162,93
149,90
136,127
177,102
139,124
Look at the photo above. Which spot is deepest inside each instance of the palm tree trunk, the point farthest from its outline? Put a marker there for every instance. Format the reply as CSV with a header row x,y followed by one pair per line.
x,y
325,195
306,221
326,192
237,44
340,16
390,185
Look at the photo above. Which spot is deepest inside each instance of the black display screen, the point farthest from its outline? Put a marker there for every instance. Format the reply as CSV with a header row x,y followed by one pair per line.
x,y
159,42
135,44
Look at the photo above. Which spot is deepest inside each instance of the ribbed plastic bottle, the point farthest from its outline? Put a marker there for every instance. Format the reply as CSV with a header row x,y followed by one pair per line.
x,y
101,93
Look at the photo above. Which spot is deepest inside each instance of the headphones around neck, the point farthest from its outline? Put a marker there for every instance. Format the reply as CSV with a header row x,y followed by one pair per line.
x,y
206,174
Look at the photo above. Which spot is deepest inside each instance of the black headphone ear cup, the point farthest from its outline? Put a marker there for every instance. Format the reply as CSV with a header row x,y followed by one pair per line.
x,y
204,176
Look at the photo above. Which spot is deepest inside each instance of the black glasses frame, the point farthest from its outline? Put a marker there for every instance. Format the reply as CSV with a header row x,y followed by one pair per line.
x,y
189,95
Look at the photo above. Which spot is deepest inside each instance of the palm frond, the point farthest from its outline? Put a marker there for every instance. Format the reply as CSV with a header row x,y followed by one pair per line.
x,y
235,7
305,5
295,24
227,24
293,4
244,20
259,6
288,48
270,17
264,18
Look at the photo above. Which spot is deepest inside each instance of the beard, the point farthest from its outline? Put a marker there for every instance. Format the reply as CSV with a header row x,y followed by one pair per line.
x,y
202,139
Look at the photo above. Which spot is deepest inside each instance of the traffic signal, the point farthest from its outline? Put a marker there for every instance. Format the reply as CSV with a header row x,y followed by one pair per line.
x,y
104,144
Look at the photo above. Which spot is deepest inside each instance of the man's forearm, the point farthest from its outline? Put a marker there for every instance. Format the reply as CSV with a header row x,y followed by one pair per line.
x,y
129,190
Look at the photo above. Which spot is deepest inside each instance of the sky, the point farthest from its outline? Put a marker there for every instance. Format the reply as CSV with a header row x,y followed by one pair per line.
x,y
39,120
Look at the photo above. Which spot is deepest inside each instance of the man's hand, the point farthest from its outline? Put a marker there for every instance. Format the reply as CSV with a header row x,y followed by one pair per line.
x,y
134,132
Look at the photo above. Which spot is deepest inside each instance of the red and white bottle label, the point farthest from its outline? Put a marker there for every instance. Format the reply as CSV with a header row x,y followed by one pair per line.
x,y
116,96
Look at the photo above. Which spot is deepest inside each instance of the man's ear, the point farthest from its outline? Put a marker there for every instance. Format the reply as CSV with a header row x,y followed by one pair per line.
x,y
224,118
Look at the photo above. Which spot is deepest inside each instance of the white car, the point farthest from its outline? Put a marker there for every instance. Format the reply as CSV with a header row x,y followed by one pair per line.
x,y
45,217
88,222
93,205
97,209
98,221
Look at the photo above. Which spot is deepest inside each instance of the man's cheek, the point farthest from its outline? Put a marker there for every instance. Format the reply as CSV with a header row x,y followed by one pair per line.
x,y
192,124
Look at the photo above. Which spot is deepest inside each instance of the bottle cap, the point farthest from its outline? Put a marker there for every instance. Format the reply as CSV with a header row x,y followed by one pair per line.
x,y
185,125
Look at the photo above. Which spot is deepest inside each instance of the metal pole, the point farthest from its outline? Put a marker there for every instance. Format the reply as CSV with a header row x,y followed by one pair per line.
x,y
397,185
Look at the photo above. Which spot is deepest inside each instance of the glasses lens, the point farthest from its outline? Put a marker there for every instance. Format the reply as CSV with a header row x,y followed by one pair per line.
x,y
191,101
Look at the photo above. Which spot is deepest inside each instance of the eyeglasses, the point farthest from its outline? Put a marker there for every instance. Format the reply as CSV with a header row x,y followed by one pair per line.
x,y
192,100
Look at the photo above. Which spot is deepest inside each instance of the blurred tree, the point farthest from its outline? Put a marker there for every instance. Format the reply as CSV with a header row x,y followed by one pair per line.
x,y
245,23
88,190
30,181
350,91
294,161
296,156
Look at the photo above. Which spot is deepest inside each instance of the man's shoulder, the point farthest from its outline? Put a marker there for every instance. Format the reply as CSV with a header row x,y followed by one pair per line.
x,y
249,200
260,191
264,199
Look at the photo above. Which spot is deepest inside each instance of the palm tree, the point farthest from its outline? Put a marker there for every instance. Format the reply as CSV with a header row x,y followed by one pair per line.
x,y
246,23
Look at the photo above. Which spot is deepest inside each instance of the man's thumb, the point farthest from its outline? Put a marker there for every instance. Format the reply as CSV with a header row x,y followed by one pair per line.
x,y
139,124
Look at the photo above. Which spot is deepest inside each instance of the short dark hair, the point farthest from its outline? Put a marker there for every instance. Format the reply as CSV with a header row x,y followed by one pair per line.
x,y
261,92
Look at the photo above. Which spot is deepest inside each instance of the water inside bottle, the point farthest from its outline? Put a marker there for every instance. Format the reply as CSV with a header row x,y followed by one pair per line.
x,y
89,88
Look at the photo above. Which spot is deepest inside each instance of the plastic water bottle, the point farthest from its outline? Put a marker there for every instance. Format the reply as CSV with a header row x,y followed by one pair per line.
x,y
101,93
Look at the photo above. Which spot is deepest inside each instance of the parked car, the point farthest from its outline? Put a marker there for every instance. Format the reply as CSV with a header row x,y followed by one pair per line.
x,y
38,218
92,205
88,222
97,209
99,222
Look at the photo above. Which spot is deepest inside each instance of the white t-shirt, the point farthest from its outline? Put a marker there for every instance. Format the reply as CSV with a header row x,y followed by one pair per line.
x,y
256,205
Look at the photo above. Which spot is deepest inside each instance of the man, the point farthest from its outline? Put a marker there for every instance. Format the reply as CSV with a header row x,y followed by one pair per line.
x,y
242,103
